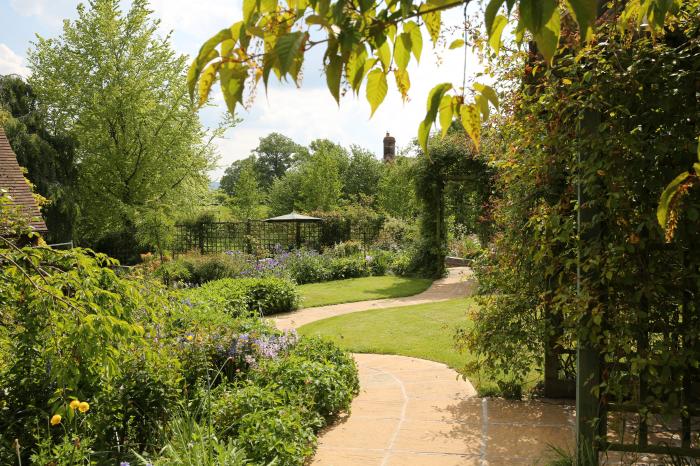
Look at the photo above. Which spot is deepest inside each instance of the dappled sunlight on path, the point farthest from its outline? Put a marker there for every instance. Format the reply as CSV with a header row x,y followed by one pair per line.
x,y
416,412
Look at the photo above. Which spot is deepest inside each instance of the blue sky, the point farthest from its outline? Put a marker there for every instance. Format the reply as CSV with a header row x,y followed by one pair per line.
x,y
303,114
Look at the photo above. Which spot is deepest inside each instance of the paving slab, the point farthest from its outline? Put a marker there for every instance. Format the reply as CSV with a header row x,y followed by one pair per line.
x,y
421,413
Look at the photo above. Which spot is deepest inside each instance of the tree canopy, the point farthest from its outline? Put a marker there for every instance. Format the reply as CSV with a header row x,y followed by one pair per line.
x,y
118,88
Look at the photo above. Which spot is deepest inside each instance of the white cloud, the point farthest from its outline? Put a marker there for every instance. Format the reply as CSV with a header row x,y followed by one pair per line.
x,y
29,7
50,12
11,63
192,23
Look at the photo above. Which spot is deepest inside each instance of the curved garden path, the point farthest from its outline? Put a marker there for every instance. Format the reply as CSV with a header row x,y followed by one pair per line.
x,y
456,284
416,412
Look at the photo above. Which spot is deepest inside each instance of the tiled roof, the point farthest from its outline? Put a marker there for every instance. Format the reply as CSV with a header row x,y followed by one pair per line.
x,y
12,179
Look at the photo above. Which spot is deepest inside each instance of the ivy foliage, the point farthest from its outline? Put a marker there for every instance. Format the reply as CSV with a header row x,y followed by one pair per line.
x,y
620,118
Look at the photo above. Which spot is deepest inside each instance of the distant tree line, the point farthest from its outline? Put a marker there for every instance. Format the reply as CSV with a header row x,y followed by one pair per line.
x,y
280,176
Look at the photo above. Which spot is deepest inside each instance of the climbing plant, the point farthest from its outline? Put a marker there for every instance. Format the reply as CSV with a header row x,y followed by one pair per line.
x,y
621,118
452,159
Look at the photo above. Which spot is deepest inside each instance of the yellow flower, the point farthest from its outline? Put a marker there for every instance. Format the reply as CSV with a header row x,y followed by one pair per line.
x,y
83,406
56,419
75,404
190,337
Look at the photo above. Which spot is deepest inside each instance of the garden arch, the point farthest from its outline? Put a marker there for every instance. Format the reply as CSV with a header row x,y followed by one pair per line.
x,y
452,162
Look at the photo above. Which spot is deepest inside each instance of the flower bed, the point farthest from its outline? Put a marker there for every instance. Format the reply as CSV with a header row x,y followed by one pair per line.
x,y
97,368
345,260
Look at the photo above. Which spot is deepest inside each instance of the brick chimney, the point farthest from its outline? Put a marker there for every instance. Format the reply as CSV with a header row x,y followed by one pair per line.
x,y
389,148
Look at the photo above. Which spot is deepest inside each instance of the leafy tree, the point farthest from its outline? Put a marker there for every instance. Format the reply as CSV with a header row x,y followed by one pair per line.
x,y
321,185
333,149
45,151
275,154
117,86
155,228
247,196
396,191
285,193
362,176
231,174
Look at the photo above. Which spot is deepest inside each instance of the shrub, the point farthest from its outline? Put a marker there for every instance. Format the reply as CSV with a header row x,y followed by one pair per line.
x,y
396,235
228,294
349,267
190,443
272,295
318,370
174,272
267,421
138,354
83,333
346,248
306,266
401,264
238,296
197,269
286,400
379,261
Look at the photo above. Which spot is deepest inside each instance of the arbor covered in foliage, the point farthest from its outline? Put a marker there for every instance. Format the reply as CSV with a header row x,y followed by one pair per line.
x,y
118,89
617,120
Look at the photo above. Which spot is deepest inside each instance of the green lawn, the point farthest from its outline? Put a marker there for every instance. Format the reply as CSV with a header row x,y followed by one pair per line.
x,y
423,331
361,289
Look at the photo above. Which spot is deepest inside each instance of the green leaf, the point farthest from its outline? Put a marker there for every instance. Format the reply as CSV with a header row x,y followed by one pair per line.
x,y
207,52
333,75
490,14
548,37
499,24
483,103
317,19
402,51
287,48
585,12
457,43
488,92
267,6
416,39
206,81
384,55
535,14
432,106
376,88
471,120
446,113
423,133
249,7
432,22
667,198
233,76
355,69
403,83
196,69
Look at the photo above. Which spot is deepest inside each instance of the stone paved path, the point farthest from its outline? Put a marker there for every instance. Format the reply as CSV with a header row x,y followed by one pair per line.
x,y
413,412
